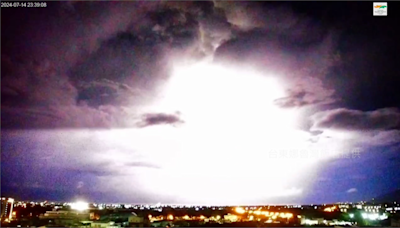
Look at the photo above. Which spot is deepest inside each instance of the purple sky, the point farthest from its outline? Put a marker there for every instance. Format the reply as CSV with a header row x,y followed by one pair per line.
x,y
199,102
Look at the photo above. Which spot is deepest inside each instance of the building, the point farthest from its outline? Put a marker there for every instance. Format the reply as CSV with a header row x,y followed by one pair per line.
x,y
395,222
7,205
323,222
99,224
65,218
138,221
162,223
115,220
230,218
311,221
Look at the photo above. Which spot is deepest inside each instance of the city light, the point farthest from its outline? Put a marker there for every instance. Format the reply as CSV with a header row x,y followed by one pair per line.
x,y
278,215
383,217
288,215
240,210
330,209
364,215
373,216
80,206
310,222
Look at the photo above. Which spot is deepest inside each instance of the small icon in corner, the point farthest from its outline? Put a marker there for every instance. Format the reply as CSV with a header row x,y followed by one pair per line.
x,y
380,9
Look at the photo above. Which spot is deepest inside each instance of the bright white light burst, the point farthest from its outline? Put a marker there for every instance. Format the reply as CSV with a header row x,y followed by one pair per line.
x,y
80,206
235,147
232,129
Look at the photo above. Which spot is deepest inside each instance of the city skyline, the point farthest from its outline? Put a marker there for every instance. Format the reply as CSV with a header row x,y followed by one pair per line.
x,y
83,214
224,103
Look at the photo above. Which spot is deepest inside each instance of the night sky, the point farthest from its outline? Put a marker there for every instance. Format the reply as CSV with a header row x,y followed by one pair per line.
x,y
200,102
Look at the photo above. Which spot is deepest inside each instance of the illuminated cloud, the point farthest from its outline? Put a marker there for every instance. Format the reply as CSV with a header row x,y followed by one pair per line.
x,y
355,120
352,190
365,129
80,184
160,118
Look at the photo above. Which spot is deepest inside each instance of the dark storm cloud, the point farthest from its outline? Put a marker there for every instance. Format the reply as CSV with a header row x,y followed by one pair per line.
x,y
300,99
296,99
178,28
274,18
110,65
64,31
37,90
346,119
297,49
71,116
160,119
105,92
302,69
138,56
33,83
100,64
125,59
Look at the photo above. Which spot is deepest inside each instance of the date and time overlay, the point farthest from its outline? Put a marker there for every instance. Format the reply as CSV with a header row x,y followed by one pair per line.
x,y
23,4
